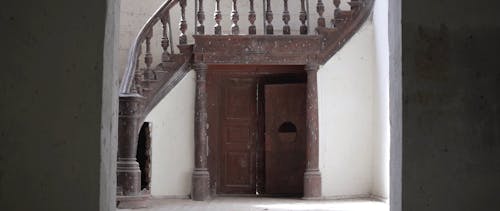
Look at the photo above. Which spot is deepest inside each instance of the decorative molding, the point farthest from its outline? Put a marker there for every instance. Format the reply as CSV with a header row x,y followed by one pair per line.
x,y
256,49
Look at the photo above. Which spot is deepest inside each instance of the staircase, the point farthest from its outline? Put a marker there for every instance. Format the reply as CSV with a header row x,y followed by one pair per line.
x,y
311,41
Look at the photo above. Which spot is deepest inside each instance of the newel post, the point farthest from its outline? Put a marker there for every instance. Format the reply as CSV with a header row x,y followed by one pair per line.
x,y
312,175
201,179
128,172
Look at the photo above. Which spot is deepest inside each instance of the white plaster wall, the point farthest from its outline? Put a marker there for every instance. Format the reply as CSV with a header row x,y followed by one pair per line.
x,y
173,140
381,128
345,100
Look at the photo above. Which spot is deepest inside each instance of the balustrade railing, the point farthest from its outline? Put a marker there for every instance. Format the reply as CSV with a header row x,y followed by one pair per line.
x,y
155,42
156,37
296,17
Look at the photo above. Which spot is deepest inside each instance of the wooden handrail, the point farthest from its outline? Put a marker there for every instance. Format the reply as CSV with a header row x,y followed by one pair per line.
x,y
135,52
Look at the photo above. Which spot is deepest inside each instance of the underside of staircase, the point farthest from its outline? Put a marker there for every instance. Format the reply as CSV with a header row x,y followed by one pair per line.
x,y
145,84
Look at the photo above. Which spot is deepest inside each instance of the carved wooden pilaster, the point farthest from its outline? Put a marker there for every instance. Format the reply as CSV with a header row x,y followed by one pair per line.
x,y
312,175
201,179
252,29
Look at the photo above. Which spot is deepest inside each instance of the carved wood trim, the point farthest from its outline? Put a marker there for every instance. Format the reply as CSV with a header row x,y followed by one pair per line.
x,y
257,49
280,49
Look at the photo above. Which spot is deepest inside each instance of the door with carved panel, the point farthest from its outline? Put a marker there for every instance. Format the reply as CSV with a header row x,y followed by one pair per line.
x,y
285,138
237,133
238,110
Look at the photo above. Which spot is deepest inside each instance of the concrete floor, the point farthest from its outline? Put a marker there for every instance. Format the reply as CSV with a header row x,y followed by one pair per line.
x,y
267,204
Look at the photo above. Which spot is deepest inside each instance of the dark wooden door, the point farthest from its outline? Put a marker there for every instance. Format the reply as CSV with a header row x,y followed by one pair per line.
x,y
237,134
285,139
236,157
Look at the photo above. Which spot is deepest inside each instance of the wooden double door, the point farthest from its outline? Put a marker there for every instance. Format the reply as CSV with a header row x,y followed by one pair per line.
x,y
257,129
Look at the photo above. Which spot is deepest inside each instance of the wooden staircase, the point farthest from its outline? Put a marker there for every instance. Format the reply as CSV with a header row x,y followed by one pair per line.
x,y
145,84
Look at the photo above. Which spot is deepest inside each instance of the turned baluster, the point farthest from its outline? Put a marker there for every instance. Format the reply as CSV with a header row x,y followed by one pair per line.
x,y
165,42
170,33
201,17
336,13
138,75
286,18
235,17
269,18
320,8
136,85
303,17
183,24
252,29
355,4
218,18
148,57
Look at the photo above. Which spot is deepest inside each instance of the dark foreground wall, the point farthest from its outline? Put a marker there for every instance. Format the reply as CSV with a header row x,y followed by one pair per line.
x,y
451,105
57,105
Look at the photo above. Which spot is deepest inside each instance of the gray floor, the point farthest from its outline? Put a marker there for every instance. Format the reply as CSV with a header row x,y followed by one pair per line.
x,y
268,204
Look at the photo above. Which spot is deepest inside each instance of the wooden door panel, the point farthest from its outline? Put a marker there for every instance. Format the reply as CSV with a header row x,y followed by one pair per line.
x,y
237,135
238,99
236,125
237,172
284,138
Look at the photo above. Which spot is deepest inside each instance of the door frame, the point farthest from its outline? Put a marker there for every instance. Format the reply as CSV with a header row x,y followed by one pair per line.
x,y
204,175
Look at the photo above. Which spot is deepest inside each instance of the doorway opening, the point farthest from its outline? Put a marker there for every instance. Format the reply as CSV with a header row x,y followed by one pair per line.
x,y
257,130
144,156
